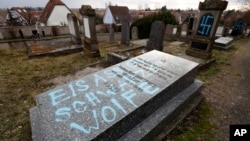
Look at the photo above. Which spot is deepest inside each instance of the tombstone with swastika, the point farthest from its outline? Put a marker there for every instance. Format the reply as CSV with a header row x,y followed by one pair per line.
x,y
202,40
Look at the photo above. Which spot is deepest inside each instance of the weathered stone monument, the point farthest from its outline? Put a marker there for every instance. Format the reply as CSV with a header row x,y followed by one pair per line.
x,y
202,40
125,32
238,28
134,33
156,36
90,39
74,29
132,100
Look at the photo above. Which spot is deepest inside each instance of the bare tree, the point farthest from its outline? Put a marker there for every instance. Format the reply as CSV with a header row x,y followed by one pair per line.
x,y
245,4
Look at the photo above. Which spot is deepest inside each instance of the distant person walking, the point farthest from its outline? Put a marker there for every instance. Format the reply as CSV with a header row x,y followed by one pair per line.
x,y
21,33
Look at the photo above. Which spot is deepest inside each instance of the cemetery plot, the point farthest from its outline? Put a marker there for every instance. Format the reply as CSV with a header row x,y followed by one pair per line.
x,y
109,103
47,47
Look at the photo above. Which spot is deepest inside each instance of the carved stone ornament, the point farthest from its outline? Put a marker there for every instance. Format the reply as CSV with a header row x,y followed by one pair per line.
x,y
213,5
86,10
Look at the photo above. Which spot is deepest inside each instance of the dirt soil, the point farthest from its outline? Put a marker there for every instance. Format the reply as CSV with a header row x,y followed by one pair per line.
x,y
229,93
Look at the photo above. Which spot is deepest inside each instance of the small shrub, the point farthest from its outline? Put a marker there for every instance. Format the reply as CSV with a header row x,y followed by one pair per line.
x,y
144,24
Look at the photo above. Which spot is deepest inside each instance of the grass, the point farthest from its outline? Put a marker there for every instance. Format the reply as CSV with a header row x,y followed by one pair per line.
x,y
21,79
198,130
221,57
197,126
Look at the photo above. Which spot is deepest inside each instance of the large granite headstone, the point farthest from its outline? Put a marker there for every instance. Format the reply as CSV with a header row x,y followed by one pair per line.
x,y
156,36
202,40
110,104
125,32
74,29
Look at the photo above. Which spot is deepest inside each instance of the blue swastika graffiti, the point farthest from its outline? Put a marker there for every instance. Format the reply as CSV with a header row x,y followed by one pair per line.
x,y
205,25
239,25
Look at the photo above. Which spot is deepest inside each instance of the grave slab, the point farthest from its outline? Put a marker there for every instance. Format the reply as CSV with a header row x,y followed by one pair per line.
x,y
224,42
171,113
100,105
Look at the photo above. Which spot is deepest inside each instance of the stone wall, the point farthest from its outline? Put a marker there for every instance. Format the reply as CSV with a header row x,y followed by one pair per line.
x,y
12,33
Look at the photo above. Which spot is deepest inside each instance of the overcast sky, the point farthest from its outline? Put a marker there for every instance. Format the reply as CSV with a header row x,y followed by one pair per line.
x,y
132,4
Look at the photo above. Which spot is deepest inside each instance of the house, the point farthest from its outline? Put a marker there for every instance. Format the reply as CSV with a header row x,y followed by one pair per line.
x,y
142,14
18,16
181,16
35,16
55,14
115,14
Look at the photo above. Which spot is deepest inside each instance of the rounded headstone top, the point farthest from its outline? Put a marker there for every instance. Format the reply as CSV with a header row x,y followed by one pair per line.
x,y
87,10
213,5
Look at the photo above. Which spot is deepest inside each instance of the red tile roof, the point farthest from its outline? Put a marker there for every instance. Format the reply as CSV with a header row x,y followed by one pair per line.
x,y
22,12
35,16
119,13
49,8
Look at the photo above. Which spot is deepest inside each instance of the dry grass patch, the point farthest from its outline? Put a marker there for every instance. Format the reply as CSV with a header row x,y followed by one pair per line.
x,y
21,79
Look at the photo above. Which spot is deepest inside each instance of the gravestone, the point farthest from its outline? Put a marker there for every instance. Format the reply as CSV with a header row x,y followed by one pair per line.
x,y
219,31
111,33
247,33
90,39
174,31
201,43
226,31
191,24
156,36
140,94
169,32
223,42
184,32
184,29
238,28
125,32
74,29
134,33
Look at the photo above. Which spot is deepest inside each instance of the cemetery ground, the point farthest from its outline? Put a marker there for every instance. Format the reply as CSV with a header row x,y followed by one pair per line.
x,y
22,78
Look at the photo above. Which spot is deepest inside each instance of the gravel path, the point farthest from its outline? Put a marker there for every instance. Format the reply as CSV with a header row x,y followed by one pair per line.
x,y
229,93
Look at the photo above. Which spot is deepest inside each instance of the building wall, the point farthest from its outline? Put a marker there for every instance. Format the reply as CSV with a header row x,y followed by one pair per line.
x,y
58,16
13,33
108,18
